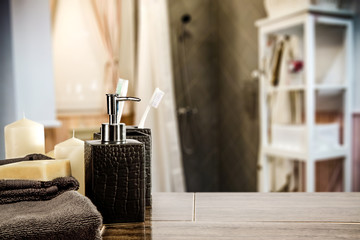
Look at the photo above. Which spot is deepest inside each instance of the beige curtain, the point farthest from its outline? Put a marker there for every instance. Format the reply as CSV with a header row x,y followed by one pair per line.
x,y
53,11
108,18
154,69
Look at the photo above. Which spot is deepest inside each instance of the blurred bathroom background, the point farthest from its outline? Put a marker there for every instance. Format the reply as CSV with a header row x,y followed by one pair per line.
x,y
214,51
59,58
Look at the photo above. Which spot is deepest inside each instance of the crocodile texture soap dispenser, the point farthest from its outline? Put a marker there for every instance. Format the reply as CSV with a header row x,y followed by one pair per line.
x,y
142,135
115,177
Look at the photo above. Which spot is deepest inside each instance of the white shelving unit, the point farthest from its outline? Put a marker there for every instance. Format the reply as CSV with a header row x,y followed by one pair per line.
x,y
305,24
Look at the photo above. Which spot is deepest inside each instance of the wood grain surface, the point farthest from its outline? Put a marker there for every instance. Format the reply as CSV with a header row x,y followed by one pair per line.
x,y
309,207
172,207
244,230
246,216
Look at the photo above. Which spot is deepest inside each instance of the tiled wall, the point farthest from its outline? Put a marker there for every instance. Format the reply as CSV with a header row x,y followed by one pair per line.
x,y
220,141
238,93
196,87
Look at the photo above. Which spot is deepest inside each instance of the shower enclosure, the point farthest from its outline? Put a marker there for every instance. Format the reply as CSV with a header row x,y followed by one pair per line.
x,y
214,49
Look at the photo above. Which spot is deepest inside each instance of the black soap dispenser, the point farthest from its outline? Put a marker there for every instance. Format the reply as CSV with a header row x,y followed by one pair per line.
x,y
114,171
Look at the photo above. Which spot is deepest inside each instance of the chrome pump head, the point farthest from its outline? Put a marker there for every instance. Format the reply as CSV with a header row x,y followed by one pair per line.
x,y
114,131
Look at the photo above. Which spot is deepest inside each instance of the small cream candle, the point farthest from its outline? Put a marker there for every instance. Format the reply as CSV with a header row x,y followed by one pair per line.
x,y
24,137
73,149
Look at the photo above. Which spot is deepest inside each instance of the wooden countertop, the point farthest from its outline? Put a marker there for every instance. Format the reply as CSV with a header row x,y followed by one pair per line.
x,y
246,216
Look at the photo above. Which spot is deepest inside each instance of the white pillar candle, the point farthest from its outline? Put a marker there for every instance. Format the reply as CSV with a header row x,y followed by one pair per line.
x,y
73,149
24,137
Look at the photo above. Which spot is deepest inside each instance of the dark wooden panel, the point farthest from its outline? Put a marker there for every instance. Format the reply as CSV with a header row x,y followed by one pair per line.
x,y
241,230
128,231
356,152
320,207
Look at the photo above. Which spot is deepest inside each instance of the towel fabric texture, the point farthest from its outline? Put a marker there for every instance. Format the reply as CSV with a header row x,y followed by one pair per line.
x,y
67,216
28,190
24,213
32,190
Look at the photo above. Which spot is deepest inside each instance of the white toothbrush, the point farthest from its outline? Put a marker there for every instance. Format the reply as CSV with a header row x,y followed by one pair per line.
x,y
121,89
154,102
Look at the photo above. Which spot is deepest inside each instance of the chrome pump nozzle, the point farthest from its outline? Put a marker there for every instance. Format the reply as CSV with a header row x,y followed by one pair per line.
x,y
114,131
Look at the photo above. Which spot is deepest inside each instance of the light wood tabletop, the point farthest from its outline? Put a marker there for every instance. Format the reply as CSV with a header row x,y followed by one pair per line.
x,y
246,216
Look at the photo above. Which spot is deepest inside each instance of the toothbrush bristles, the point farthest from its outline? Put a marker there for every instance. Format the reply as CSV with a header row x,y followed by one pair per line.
x,y
156,98
154,102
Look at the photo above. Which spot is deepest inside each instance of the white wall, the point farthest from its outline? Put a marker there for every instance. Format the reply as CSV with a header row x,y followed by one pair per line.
x,y
26,70
356,92
32,60
80,57
7,113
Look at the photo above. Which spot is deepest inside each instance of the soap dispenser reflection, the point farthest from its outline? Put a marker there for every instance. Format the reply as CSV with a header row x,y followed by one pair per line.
x,y
115,169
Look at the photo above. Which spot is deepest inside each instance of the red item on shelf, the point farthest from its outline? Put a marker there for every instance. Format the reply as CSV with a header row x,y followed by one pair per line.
x,y
296,65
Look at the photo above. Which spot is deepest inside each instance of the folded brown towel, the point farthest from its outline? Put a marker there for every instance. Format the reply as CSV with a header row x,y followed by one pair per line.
x,y
29,190
32,190
67,216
